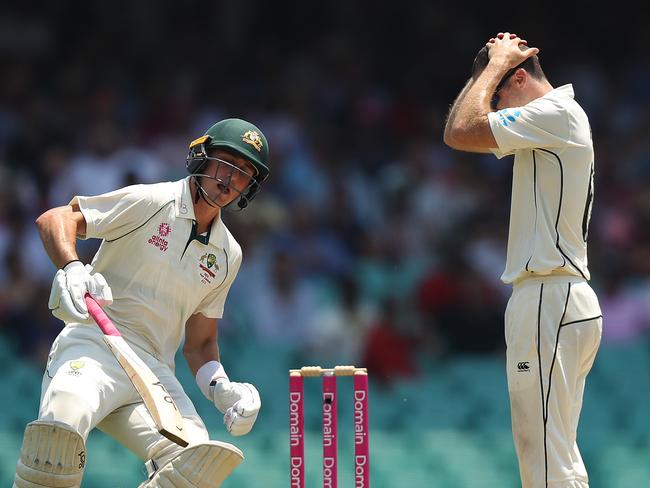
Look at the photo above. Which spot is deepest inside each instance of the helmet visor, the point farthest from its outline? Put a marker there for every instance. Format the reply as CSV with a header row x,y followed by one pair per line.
x,y
220,182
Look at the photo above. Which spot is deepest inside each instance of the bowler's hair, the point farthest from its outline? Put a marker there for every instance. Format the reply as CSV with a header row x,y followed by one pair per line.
x,y
531,65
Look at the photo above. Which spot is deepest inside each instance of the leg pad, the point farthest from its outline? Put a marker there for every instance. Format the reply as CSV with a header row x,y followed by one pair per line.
x,y
200,466
53,455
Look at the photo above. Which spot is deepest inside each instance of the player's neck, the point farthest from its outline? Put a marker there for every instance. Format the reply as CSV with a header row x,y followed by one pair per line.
x,y
541,88
205,215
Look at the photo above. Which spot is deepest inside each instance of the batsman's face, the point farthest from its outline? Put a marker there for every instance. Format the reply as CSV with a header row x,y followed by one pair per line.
x,y
229,175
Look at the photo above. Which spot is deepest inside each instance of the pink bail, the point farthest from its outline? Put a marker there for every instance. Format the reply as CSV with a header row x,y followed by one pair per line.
x,y
361,433
330,430
296,431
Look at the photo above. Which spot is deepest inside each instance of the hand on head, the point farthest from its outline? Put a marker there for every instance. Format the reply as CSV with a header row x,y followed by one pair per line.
x,y
509,49
501,35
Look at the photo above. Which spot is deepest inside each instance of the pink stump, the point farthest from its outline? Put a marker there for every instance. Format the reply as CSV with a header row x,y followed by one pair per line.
x,y
330,431
296,431
361,433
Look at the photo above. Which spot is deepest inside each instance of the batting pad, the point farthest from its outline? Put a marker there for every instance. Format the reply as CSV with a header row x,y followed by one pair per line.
x,y
53,456
200,466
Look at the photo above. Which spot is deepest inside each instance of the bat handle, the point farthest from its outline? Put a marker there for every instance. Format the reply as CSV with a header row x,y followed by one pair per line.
x,y
96,312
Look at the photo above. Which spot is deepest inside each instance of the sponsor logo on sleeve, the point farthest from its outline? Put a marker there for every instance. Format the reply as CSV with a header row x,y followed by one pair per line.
x,y
508,116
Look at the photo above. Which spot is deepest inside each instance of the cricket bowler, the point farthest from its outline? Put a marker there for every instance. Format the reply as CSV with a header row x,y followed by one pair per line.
x,y
553,321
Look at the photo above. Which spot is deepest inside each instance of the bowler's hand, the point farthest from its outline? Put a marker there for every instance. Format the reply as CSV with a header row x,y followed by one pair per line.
x,y
500,36
508,50
239,402
69,288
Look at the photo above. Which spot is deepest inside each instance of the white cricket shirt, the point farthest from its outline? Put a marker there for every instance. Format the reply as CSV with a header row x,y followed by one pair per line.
x,y
159,275
552,187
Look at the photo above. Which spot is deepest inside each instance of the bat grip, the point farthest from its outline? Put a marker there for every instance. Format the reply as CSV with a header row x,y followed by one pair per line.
x,y
96,312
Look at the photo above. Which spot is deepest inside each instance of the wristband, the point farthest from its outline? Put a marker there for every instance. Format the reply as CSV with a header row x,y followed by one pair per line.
x,y
71,263
207,375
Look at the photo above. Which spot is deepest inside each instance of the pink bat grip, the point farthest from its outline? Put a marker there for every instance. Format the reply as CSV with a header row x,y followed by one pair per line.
x,y
100,317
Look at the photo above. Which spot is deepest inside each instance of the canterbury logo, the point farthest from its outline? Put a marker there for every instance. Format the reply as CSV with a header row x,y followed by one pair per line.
x,y
523,366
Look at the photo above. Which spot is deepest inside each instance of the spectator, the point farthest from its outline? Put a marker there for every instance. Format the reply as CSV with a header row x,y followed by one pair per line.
x,y
388,352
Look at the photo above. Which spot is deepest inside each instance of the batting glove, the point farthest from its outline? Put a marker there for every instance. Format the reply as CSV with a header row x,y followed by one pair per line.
x,y
69,288
239,402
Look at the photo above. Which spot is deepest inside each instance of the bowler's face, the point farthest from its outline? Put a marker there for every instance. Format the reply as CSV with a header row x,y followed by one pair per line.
x,y
514,92
504,96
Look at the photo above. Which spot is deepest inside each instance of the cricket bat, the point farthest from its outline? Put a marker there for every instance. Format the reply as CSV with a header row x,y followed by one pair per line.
x,y
155,396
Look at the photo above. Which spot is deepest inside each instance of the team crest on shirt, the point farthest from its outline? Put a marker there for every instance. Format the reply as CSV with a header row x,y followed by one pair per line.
x,y
164,229
508,117
207,267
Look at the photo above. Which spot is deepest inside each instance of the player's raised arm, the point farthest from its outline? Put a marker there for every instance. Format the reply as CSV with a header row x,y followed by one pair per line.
x,y
450,124
468,127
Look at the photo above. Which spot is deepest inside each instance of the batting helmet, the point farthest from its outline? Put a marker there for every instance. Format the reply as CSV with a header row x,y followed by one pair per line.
x,y
240,137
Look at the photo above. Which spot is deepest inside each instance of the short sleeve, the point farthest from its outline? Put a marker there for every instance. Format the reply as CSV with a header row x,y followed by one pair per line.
x,y
213,305
541,123
116,213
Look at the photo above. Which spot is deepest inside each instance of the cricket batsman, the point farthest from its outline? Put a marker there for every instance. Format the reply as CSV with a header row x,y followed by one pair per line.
x,y
162,272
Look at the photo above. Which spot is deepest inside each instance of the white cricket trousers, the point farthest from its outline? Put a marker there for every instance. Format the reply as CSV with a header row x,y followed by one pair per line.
x,y
553,327
85,387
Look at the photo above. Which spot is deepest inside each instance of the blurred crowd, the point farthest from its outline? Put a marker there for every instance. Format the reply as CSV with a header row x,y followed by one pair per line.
x,y
371,242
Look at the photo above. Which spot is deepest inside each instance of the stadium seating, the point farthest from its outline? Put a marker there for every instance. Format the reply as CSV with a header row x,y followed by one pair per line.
x,y
449,428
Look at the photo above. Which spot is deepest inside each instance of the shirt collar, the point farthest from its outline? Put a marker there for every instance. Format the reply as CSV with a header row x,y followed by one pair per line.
x,y
562,91
184,201
217,231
